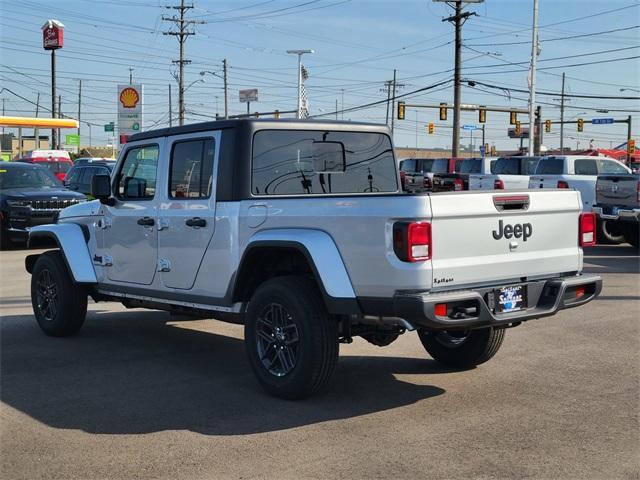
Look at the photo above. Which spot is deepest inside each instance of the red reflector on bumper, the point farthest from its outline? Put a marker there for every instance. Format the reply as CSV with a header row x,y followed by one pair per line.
x,y
581,291
440,309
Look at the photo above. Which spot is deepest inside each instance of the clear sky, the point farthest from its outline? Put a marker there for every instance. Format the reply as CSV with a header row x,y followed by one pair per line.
x,y
357,45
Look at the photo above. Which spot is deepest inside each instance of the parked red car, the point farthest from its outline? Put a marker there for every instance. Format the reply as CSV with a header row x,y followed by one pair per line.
x,y
57,161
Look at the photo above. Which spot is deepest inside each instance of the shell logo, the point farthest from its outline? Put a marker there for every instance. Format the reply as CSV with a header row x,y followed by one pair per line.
x,y
129,97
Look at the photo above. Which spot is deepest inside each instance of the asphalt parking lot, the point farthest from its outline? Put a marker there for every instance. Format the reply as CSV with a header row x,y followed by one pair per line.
x,y
137,395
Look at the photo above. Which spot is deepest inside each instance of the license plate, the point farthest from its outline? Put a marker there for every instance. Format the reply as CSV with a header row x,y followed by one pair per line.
x,y
511,299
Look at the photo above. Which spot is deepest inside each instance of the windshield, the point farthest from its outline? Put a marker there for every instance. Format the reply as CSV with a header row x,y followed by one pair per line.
x,y
27,178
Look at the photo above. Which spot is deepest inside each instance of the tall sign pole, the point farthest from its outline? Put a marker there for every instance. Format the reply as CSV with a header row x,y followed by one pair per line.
x,y
458,20
299,53
562,117
532,73
52,39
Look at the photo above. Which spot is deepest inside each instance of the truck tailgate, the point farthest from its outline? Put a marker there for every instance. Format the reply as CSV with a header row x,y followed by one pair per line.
x,y
479,239
618,190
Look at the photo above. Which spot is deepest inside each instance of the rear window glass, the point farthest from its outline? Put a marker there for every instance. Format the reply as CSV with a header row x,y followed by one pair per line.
x,y
586,167
435,165
472,165
303,162
550,166
56,167
516,165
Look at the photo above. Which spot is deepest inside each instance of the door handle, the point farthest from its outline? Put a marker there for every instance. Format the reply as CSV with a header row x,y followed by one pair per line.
x,y
146,222
196,222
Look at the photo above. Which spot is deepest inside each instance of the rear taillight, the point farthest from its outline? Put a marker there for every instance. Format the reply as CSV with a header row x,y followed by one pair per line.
x,y
402,178
562,184
440,309
587,229
498,185
412,241
458,184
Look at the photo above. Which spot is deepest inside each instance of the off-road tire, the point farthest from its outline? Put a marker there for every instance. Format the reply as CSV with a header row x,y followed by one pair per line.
x,y
316,350
51,284
608,233
477,346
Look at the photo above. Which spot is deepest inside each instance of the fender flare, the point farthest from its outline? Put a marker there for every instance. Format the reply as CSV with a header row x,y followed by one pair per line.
x,y
72,241
324,258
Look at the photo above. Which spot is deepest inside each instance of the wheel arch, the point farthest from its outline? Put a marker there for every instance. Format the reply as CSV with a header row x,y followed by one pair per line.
x,y
286,252
67,237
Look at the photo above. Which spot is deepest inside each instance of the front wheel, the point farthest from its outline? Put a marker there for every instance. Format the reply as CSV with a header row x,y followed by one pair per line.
x,y
291,340
462,348
59,305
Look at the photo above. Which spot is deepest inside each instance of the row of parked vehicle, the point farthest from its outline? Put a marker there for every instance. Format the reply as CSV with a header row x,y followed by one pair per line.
x,y
595,178
34,189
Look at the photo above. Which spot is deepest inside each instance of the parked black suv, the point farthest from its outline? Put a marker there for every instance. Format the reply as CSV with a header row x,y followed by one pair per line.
x,y
79,177
30,195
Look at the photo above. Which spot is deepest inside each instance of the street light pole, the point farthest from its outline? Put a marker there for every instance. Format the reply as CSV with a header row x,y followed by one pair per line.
x,y
532,88
299,53
226,88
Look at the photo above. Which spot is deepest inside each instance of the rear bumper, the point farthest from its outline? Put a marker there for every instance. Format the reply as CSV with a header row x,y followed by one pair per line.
x,y
469,309
615,213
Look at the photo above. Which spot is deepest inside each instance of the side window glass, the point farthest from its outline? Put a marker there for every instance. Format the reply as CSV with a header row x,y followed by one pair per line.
x,y
492,166
191,171
586,167
86,174
607,166
137,176
550,166
73,177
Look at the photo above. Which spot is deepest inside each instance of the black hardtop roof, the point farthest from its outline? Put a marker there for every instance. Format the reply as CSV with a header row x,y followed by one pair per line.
x,y
260,124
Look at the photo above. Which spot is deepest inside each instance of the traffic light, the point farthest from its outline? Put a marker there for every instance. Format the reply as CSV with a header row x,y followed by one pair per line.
x,y
482,114
580,125
486,149
494,151
547,126
400,110
631,146
518,129
443,111
276,114
513,118
431,128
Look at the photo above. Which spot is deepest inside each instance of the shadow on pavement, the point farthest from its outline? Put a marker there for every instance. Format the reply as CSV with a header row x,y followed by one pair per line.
x,y
624,250
131,372
612,265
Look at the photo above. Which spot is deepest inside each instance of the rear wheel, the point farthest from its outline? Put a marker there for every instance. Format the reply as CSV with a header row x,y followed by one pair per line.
x,y
631,232
462,348
291,340
609,233
59,304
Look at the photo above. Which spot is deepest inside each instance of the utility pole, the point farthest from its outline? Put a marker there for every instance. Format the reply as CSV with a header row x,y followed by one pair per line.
x,y
532,87
336,109
342,109
170,112
79,110
130,75
628,139
458,20
393,102
183,33
387,85
562,117
226,88
36,131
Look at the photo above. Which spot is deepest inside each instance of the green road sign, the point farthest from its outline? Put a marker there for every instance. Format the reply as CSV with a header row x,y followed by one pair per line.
x,y
109,127
135,126
73,139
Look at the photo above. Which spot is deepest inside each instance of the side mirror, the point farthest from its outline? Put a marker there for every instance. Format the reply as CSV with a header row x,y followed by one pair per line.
x,y
101,188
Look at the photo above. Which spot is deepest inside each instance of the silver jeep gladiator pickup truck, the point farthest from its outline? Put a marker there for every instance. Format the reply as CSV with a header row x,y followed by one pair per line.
x,y
300,231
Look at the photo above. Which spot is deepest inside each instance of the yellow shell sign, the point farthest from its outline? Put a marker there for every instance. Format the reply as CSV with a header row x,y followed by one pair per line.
x,y
129,97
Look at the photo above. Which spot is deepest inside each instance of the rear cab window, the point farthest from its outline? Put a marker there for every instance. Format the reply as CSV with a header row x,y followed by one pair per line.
x,y
408,165
306,162
609,166
471,165
550,166
586,167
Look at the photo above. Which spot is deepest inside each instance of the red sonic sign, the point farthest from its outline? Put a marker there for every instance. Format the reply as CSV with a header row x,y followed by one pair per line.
x,y
52,35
